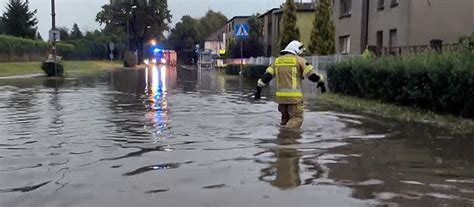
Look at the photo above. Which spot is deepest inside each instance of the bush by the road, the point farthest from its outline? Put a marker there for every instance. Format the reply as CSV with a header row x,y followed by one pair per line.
x,y
254,71
442,82
19,49
232,69
14,49
248,71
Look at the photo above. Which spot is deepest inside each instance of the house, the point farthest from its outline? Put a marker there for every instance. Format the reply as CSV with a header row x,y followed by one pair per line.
x,y
216,42
400,23
272,20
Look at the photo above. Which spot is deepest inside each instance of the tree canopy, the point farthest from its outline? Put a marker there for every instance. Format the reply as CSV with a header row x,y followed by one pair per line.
x,y
289,30
190,31
323,34
76,32
18,20
64,33
145,19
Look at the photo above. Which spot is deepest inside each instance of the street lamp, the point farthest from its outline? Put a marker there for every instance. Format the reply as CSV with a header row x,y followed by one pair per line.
x,y
128,26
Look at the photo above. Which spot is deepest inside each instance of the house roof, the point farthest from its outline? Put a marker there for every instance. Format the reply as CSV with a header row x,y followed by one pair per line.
x,y
267,12
216,36
300,7
238,17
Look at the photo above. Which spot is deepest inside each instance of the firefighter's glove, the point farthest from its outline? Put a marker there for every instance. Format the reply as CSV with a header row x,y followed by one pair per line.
x,y
322,86
258,94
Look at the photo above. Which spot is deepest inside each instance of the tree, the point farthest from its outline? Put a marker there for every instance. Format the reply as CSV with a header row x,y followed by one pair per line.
x,y
145,20
190,31
76,33
64,34
2,27
210,23
289,30
185,34
18,20
38,36
323,34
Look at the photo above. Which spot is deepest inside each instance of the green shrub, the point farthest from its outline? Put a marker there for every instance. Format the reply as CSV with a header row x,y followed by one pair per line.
x,y
20,46
69,50
232,69
442,82
254,71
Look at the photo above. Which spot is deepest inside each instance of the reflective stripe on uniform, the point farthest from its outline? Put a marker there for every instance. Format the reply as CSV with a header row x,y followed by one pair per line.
x,y
260,83
286,61
289,94
270,70
307,70
294,79
277,77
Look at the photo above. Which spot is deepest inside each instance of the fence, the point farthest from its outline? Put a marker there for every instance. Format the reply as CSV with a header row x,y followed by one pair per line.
x,y
320,62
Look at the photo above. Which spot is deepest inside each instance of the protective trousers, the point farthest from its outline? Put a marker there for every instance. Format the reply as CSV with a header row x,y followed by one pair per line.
x,y
291,115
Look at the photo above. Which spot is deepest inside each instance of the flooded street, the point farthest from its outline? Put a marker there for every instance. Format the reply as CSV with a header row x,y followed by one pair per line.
x,y
177,137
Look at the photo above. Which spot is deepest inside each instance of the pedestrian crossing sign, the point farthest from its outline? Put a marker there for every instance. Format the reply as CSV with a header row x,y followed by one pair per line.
x,y
241,31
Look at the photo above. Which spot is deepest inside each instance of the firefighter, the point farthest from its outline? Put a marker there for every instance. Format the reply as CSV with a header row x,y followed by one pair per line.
x,y
289,70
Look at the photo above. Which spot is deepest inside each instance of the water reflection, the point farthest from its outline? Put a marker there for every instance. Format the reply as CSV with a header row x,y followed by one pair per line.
x,y
156,103
284,173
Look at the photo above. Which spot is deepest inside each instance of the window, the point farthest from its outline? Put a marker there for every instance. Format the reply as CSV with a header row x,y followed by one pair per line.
x,y
379,39
380,5
394,3
345,44
393,39
345,8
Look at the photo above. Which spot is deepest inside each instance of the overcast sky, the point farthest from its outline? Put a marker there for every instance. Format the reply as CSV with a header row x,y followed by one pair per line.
x,y
83,12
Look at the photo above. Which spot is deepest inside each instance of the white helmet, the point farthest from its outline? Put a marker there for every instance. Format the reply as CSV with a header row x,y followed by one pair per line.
x,y
295,47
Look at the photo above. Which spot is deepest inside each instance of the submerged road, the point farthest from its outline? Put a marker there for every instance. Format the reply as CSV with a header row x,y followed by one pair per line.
x,y
177,137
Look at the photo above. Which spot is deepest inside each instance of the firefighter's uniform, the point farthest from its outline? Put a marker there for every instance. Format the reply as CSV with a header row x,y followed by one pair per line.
x,y
289,70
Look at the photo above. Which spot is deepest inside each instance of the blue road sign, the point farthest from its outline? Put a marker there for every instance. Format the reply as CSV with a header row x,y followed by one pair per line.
x,y
241,31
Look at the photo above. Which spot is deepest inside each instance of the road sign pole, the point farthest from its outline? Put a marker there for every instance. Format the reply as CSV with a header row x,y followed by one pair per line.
x,y
241,33
241,55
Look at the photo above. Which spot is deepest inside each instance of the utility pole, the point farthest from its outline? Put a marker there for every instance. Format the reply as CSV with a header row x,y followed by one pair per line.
x,y
53,24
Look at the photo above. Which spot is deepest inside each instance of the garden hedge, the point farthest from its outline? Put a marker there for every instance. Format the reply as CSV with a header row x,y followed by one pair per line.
x,y
19,49
442,82
248,71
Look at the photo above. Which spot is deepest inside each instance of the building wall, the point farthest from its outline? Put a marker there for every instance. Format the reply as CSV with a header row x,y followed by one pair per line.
x,y
351,26
276,22
304,24
387,19
266,39
440,19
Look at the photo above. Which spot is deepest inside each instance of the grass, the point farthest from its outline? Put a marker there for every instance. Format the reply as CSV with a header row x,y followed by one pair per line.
x,y
71,67
401,113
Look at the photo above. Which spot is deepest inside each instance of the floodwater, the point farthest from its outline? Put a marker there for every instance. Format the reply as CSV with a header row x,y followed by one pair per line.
x,y
177,137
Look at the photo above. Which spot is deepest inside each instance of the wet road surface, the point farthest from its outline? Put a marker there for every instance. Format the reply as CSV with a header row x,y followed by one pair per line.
x,y
176,137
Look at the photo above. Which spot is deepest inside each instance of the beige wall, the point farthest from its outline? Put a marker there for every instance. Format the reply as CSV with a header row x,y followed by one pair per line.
x,y
441,19
305,26
349,25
